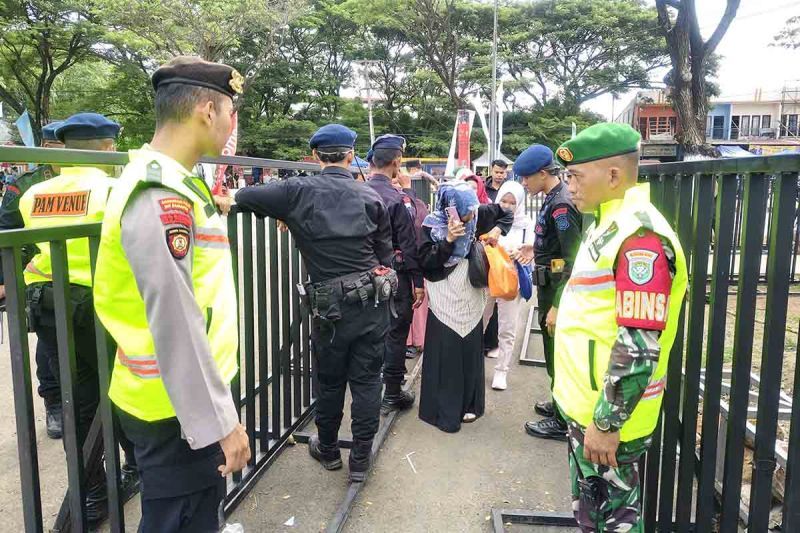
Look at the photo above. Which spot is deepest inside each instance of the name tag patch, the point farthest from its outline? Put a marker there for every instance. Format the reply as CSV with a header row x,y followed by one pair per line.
x,y
642,306
65,204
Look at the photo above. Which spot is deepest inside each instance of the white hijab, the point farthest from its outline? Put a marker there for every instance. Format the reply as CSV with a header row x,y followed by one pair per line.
x,y
522,228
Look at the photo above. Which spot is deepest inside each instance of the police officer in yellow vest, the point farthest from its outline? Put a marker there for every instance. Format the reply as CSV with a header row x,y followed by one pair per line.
x,y
77,195
164,290
615,327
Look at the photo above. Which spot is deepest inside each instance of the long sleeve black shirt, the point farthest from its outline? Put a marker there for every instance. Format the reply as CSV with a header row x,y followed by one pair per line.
x,y
340,225
404,238
558,233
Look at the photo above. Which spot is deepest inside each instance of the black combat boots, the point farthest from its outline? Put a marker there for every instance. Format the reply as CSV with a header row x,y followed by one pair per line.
x,y
360,459
329,456
394,398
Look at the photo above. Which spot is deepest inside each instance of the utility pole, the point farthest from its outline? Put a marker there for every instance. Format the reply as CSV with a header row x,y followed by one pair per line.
x,y
493,107
365,64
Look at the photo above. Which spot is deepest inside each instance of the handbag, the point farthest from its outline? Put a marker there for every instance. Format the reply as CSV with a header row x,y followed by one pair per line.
x,y
503,278
478,266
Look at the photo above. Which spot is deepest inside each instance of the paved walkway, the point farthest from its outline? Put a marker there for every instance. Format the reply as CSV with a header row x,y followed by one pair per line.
x,y
424,479
455,480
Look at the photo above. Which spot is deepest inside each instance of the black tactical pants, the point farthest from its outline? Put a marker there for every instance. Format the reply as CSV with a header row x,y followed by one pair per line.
x,y
394,366
546,296
47,372
350,350
85,380
181,487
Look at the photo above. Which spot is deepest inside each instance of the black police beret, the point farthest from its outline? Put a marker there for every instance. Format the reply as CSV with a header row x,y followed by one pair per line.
x,y
201,73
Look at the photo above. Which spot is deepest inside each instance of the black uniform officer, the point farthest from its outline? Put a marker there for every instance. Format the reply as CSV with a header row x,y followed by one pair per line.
x,y
558,237
387,154
342,230
11,218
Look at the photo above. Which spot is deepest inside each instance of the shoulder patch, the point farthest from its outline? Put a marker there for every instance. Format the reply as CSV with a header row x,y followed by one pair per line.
x,y
171,219
561,216
178,242
641,265
175,204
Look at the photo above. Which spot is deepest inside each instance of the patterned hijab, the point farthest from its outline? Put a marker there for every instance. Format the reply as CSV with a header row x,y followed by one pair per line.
x,y
458,194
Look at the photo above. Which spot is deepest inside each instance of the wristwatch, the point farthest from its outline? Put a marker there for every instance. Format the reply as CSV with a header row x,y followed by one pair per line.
x,y
603,425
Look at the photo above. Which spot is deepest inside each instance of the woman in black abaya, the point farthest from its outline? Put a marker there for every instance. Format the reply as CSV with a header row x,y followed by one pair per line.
x,y
452,368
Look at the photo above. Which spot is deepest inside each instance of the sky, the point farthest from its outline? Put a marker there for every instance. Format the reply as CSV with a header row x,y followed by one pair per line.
x,y
748,60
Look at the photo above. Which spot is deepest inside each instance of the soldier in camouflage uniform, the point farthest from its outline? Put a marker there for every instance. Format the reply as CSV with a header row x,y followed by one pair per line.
x,y
615,327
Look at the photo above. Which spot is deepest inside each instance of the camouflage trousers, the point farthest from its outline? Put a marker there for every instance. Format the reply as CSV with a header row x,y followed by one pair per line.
x,y
606,499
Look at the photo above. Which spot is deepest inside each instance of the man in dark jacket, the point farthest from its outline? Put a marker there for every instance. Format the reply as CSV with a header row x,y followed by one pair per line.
x,y
343,232
387,153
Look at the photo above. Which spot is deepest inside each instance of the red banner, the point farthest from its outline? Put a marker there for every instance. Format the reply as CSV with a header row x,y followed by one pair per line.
x,y
230,149
463,133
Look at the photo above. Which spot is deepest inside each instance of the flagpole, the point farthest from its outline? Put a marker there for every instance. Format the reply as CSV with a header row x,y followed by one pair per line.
x,y
493,107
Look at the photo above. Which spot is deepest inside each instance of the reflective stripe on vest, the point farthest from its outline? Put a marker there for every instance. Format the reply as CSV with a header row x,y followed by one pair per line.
x,y
77,196
586,328
136,384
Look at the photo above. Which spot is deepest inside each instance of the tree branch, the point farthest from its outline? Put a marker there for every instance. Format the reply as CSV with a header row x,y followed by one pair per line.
x,y
722,28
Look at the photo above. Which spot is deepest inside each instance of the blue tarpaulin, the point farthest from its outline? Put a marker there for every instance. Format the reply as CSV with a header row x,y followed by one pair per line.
x,y
731,152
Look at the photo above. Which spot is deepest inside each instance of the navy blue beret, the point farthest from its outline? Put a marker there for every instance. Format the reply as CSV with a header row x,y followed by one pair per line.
x,y
370,153
87,126
390,142
535,158
333,136
49,131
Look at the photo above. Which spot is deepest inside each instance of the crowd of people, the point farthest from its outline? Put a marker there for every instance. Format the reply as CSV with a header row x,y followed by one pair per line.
x,y
388,278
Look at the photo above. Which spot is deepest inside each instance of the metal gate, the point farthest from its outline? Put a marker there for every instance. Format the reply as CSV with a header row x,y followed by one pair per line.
x,y
274,348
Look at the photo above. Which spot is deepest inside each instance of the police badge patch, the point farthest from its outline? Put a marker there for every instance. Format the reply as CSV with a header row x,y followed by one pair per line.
x,y
561,216
178,242
641,265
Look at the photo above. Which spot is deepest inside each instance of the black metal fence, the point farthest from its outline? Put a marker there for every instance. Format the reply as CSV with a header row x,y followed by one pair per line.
x,y
274,355
716,458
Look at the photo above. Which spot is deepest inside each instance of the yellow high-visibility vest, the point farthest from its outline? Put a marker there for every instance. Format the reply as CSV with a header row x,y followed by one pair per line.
x,y
586,328
136,385
77,196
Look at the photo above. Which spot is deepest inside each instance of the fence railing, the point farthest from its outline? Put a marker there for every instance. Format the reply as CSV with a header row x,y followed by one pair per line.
x,y
274,349
737,219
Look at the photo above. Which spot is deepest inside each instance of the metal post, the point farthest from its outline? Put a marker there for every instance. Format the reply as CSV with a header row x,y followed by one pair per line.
x,y
493,107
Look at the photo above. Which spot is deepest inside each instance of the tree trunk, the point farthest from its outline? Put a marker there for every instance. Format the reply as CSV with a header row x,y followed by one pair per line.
x,y
693,128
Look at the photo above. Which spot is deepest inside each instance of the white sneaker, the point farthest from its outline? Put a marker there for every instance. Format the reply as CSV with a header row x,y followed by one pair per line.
x,y
493,354
499,381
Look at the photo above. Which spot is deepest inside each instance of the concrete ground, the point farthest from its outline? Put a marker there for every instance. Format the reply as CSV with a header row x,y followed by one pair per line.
x,y
455,480
424,479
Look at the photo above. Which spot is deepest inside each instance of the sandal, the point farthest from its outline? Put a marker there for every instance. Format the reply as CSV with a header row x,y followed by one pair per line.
x,y
469,418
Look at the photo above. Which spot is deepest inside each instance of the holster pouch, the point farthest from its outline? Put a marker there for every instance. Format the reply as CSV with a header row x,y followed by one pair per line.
x,y
326,302
40,305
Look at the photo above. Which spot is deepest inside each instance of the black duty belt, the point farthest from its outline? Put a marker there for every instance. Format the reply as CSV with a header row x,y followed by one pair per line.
x,y
325,297
543,276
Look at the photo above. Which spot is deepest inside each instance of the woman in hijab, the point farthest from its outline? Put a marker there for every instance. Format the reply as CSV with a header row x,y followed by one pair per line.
x,y
453,368
479,187
510,197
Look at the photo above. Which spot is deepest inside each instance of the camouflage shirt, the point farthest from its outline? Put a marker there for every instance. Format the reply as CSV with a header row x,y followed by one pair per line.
x,y
635,353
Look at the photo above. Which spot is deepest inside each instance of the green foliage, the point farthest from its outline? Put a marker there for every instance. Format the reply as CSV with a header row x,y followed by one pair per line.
x,y
549,124
300,59
577,50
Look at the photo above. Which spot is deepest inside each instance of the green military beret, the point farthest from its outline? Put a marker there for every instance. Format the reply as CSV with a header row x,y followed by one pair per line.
x,y
600,141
